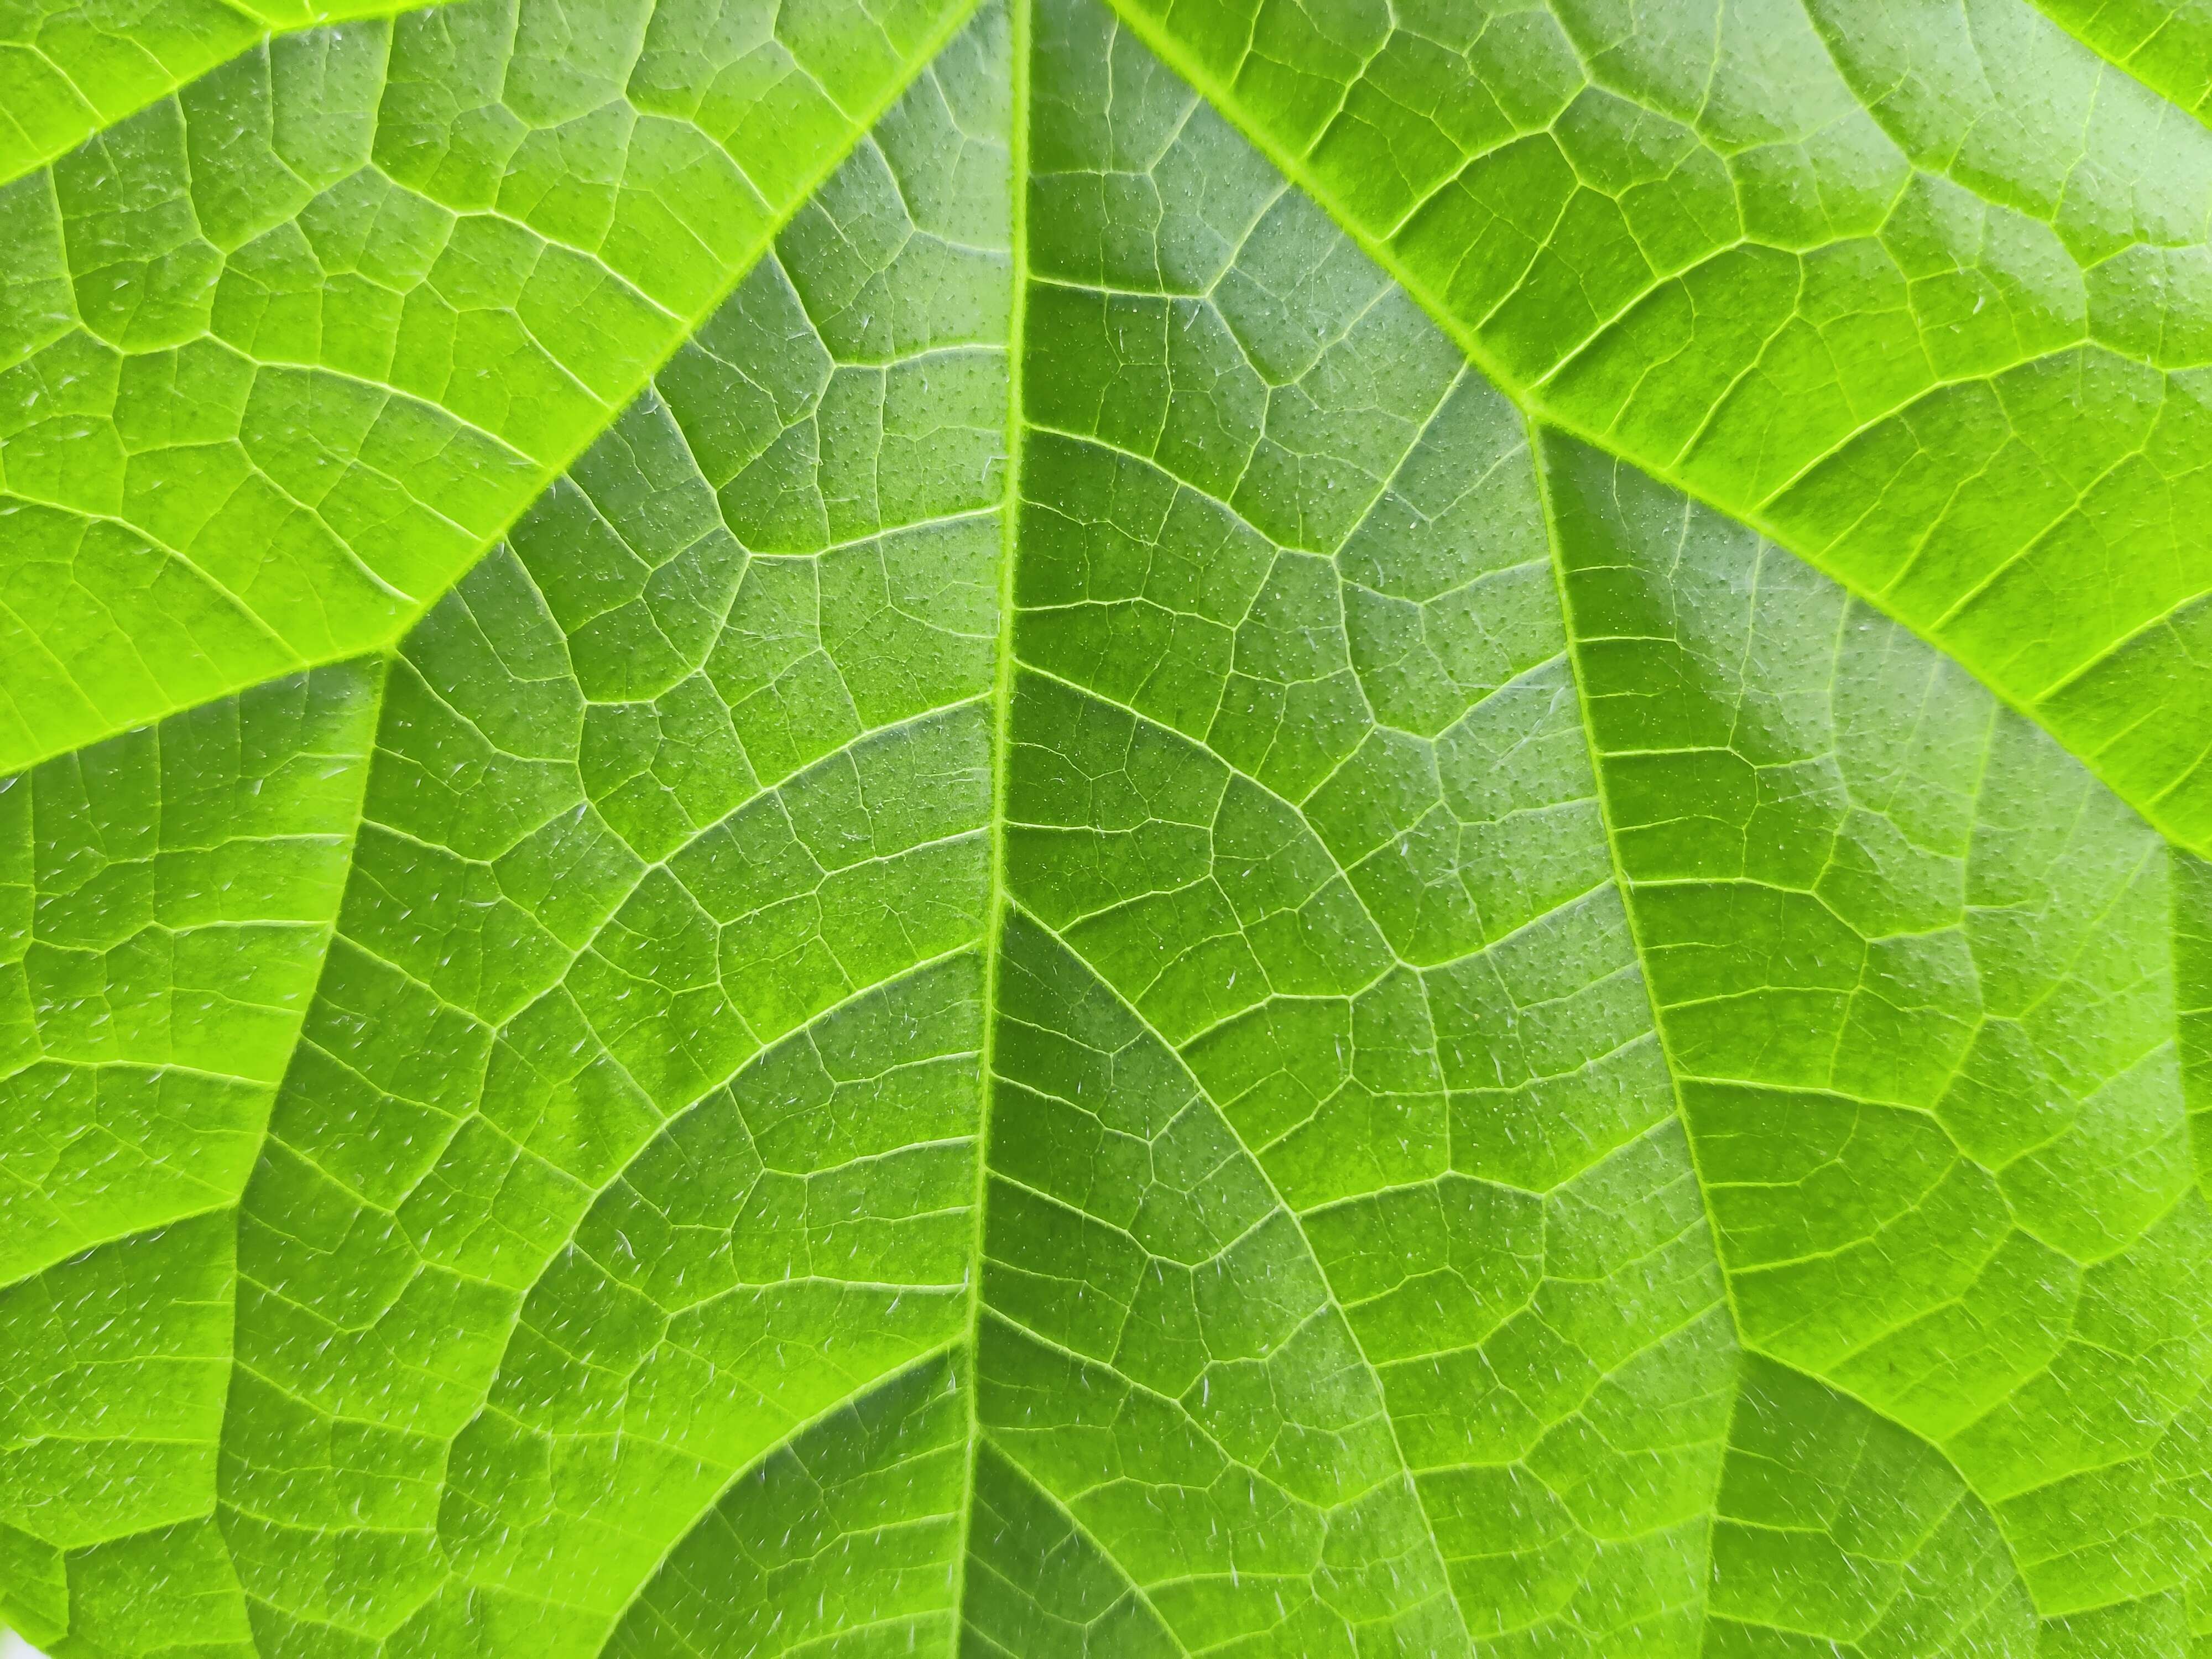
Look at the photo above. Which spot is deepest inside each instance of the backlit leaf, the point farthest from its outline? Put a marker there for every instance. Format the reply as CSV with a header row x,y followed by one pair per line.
x,y
1201,828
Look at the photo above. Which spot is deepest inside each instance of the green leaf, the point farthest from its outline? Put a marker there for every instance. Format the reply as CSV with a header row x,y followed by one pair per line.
x,y
1833,269
2164,45
284,352
866,828
68,70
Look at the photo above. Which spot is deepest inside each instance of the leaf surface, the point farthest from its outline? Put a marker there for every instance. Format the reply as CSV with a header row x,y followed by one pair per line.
x,y
2162,46
284,353
68,70
1825,266
1153,865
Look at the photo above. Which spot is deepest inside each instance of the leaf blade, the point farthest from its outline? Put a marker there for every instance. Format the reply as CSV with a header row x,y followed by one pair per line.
x,y
1862,357
397,317
1386,1031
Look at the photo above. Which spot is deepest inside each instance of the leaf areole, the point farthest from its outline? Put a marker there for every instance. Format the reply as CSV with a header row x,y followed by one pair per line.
x,y
1058,828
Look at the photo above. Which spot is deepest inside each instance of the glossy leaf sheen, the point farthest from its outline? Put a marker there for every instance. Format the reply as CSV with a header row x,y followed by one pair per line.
x,y
1216,828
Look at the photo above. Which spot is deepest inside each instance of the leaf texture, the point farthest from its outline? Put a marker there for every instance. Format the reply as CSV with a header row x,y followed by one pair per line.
x,y
1815,262
1196,829
2162,46
284,352
66,71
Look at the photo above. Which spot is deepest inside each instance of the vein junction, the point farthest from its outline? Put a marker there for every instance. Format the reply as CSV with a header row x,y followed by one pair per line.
x,y
1067,956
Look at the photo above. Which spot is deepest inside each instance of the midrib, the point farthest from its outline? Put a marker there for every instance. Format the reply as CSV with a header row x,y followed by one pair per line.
x,y
994,912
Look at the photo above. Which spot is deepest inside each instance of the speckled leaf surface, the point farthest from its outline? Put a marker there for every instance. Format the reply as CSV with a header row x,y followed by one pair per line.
x,y
284,352
869,826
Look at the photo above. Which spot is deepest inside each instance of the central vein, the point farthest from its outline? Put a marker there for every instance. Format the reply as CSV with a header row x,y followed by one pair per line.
x,y
1001,732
